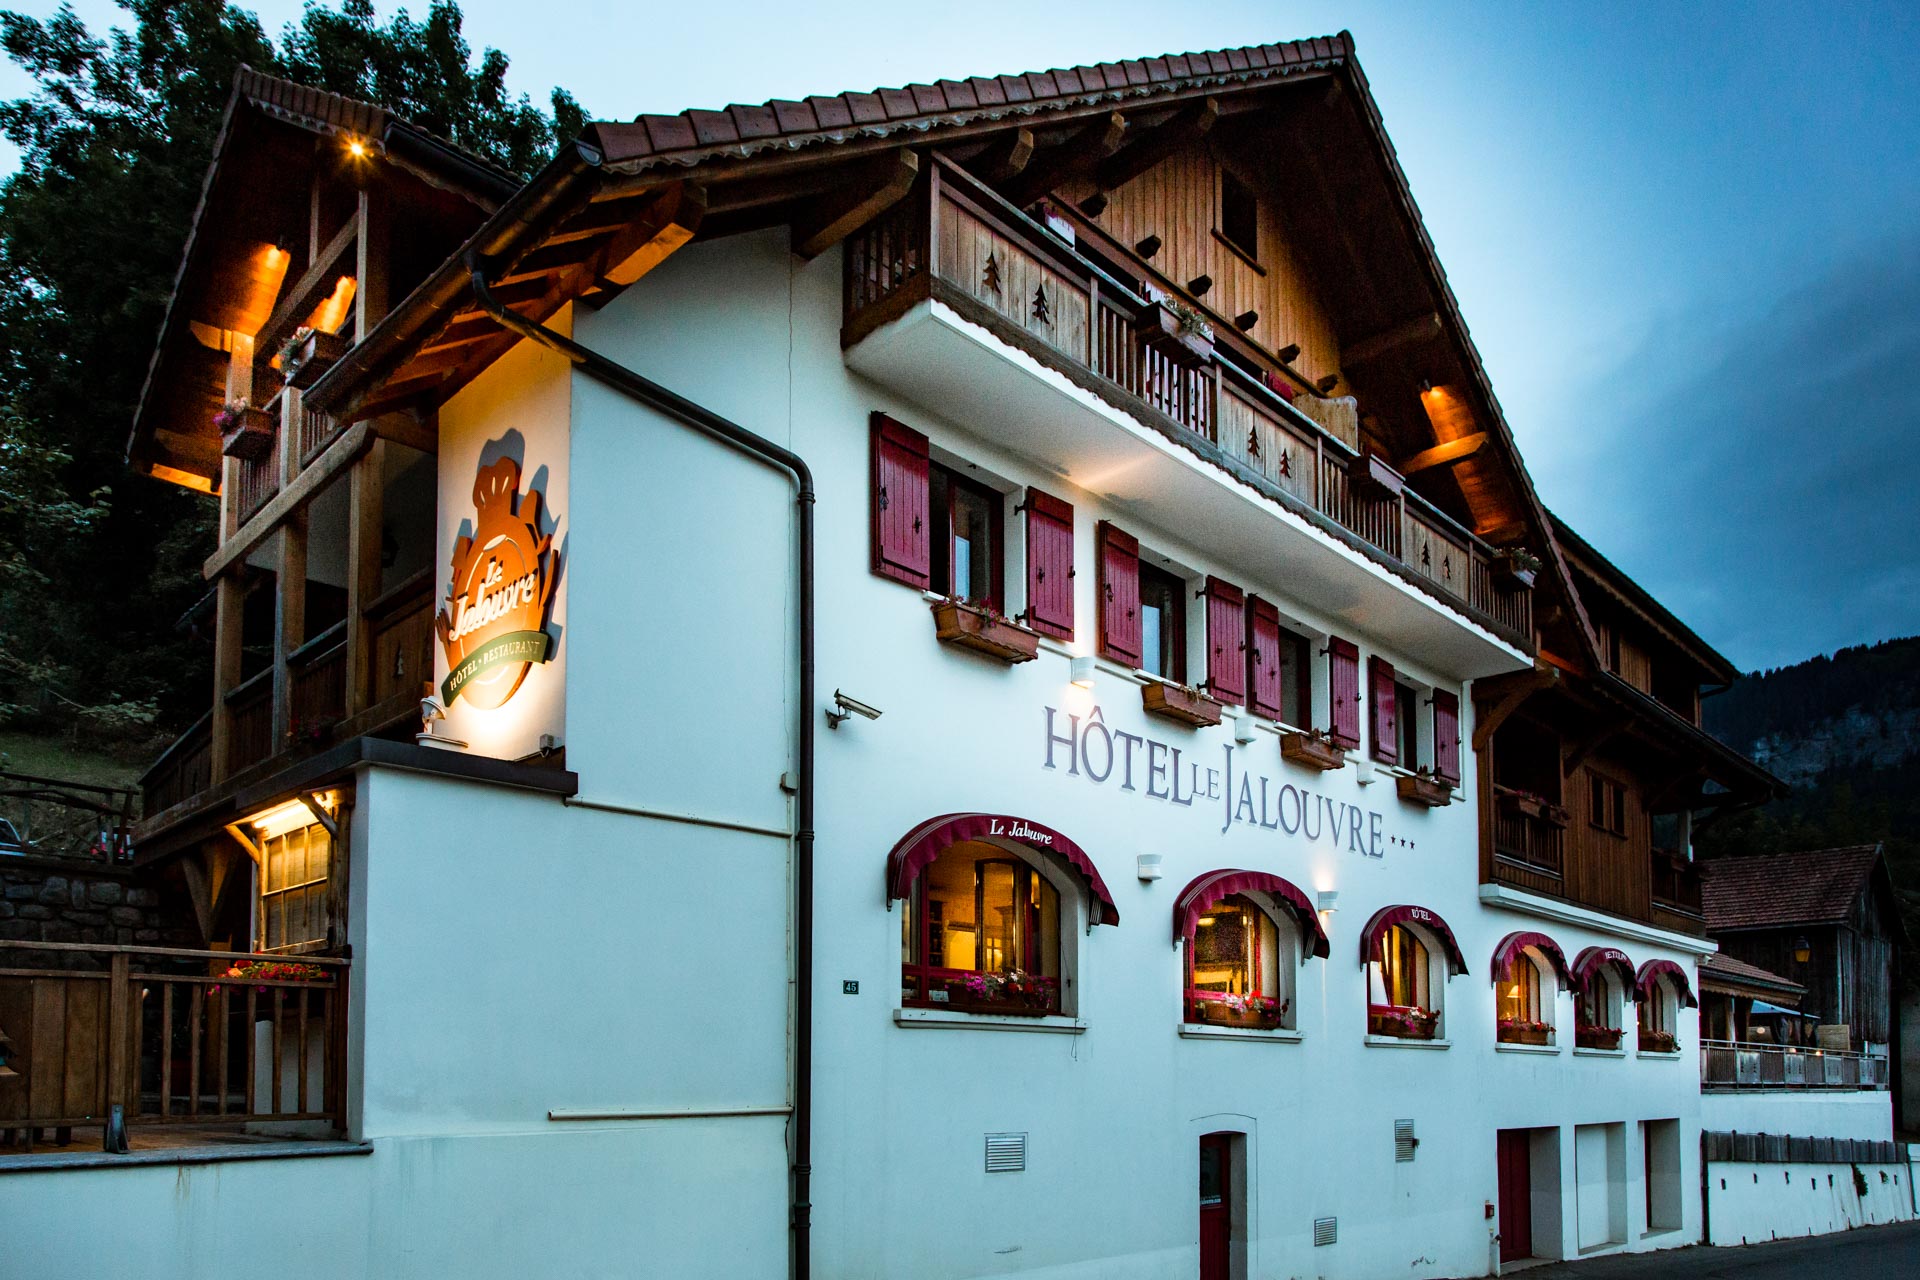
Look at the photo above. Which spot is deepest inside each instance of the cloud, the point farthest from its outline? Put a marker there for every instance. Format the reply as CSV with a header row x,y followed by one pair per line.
x,y
1763,479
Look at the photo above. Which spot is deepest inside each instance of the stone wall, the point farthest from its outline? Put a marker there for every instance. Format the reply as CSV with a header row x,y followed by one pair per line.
x,y
64,900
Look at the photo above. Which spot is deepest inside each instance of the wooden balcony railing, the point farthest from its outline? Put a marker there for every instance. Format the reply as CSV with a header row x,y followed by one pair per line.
x,y
956,240
251,705
1676,882
1531,840
165,1035
1729,1064
184,769
318,672
258,482
316,431
400,638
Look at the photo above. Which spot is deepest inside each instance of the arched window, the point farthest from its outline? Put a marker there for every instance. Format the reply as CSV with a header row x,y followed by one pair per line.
x,y
1409,953
980,932
1528,969
1603,983
1662,989
1240,965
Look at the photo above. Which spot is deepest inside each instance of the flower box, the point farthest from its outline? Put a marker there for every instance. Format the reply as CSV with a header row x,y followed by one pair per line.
x,y
1658,1042
1428,790
1401,1022
1596,1037
1525,1035
1373,476
1263,1013
1178,702
246,433
1314,750
309,354
1177,332
1514,568
981,629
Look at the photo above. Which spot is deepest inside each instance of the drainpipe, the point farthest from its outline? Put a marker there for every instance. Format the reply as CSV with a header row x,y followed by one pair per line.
x,y
647,392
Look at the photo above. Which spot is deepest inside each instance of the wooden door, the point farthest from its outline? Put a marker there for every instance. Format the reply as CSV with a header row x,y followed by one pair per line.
x,y
1216,1206
1516,1196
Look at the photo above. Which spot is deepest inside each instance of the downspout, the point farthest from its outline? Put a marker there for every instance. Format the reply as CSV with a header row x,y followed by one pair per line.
x,y
647,392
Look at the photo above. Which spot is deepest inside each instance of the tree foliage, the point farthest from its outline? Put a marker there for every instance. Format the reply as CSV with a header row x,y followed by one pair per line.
x,y
98,565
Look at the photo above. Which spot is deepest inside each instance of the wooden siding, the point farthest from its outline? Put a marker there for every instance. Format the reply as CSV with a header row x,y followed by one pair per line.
x,y
1031,294
1179,201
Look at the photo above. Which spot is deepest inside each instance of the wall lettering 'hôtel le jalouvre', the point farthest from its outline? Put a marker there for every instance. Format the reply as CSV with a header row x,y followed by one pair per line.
x,y
1001,700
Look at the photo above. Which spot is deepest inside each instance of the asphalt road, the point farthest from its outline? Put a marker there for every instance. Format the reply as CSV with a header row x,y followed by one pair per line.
x,y
1870,1253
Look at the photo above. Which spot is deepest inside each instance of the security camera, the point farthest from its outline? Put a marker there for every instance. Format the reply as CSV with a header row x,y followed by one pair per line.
x,y
848,707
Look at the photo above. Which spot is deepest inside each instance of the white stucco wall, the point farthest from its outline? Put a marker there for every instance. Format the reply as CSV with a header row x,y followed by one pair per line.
x,y
1801,1113
1751,1203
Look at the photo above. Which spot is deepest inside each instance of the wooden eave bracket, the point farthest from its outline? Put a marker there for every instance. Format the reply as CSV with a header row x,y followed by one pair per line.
x,y
1000,160
320,814
1424,328
1508,693
878,185
243,840
1051,167
1151,146
310,290
1443,455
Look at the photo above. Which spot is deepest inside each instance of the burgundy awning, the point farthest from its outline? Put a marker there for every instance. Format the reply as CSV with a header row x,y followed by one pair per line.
x,y
925,842
1656,969
1612,958
1203,891
1420,917
1511,946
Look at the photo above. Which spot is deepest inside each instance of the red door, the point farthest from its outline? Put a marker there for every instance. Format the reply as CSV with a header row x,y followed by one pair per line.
x,y
1516,1196
1216,1206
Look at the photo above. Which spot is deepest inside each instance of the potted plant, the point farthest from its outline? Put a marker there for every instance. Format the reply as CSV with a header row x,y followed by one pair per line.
x,y
1514,568
309,733
1403,1022
1222,1009
1313,748
245,432
308,354
1012,992
1178,332
1524,803
1524,1031
1179,702
1658,1041
1424,787
985,630
1596,1037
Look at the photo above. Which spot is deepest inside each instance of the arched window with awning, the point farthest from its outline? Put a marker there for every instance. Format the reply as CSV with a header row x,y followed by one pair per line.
x,y
1603,983
1528,970
1245,932
1408,953
1661,987
991,904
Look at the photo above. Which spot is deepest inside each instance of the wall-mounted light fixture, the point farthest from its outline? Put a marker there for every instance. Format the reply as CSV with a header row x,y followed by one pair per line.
x,y
1802,950
1147,866
1081,671
432,715
1327,901
1243,728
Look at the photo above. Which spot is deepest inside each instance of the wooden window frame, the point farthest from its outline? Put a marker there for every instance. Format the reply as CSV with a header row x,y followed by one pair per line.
x,y
1296,696
1283,956
1606,804
1174,626
947,481
1232,191
924,973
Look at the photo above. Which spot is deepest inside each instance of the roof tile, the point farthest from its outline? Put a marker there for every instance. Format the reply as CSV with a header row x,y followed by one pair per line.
x,y
831,112
754,122
959,94
898,104
1157,70
987,91
866,107
928,99
794,117
1016,88
1779,890
713,128
670,133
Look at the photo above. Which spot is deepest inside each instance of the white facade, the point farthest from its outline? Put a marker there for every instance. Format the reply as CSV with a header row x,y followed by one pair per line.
x,y
519,960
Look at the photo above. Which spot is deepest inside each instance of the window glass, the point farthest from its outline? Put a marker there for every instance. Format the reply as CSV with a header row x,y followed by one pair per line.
x,y
966,537
293,888
1162,624
1520,993
983,934
1296,680
1240,215
1400,988
1406,702
1236,969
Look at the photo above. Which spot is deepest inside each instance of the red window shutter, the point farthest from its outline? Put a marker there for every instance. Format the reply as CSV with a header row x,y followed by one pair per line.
x,y
1119,595
1446,735
1049,565
1226,641
1343,683
902,532
1264,683
1386,711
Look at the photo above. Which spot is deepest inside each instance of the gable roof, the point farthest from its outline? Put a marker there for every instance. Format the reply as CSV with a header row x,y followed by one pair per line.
x,y
1777,890
1722,972
1638,598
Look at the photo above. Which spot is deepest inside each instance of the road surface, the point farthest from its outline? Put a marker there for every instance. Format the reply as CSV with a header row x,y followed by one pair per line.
x,y
1870,1253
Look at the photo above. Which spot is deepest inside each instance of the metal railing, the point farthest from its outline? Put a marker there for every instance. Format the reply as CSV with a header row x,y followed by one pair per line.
x,y
1731,1064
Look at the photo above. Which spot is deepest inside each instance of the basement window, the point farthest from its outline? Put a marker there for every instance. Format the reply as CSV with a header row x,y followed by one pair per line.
x,y
1239,215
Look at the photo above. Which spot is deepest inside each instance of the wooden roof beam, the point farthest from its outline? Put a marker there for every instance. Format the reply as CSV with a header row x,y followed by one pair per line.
x,y
1507,692
1049,168
831,218
310,290
1003,158
1443,455
1420,329
1150,146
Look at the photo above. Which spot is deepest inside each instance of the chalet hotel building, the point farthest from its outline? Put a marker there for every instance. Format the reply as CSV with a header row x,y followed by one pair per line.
x,y
964,680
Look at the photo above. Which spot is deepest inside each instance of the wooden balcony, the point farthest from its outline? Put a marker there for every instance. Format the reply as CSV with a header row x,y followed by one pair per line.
x,y
1676,882
1528,832
168,1037
957,243
1728,1065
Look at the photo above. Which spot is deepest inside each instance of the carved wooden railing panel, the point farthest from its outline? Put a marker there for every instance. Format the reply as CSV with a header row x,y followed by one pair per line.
x,y
258,481
1002,275
1436,554
1279,450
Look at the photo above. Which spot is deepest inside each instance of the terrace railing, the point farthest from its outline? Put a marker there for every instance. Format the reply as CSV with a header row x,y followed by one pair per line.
x,y
1730,1065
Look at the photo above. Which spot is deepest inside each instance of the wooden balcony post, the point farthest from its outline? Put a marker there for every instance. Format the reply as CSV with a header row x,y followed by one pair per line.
x,y
370,264
365,496
289,617
229,607
122,1066
289,434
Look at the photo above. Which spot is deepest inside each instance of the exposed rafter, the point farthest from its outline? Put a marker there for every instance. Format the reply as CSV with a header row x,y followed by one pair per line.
x,y
1443,455
1086,147
1149,147
874,188
1407,333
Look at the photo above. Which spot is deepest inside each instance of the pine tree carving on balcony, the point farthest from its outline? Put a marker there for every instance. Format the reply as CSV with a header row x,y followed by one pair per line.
x,y
1286,463
1042,311
991,276
1253,442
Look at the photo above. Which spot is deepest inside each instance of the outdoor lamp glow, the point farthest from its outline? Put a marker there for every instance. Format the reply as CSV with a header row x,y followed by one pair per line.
x,y
1082,672
1802,950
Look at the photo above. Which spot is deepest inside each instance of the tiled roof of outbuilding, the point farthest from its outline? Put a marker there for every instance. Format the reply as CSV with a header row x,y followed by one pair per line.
x,y
1738,972
741,130
1817,886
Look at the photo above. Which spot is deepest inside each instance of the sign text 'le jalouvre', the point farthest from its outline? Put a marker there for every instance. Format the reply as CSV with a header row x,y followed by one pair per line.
x,y
494,622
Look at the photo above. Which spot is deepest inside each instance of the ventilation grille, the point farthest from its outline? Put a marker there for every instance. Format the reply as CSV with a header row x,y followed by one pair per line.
x,y
1325,1231
1006,1152
1403,1141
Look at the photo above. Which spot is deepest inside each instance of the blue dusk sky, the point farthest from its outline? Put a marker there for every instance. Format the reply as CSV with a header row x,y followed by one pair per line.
x,y
1687,239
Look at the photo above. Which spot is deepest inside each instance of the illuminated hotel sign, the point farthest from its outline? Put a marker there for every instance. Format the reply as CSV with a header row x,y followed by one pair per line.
x,y
493,625
1084,747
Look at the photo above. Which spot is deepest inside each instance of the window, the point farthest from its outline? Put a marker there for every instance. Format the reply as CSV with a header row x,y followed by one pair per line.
x,y
1279,680
1406,721
1658,1017
1524,1003
294,866
1163,629
1239,215
1401,986
1239,964
1596,1011
981,933
967,518
1296,680
1606,804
